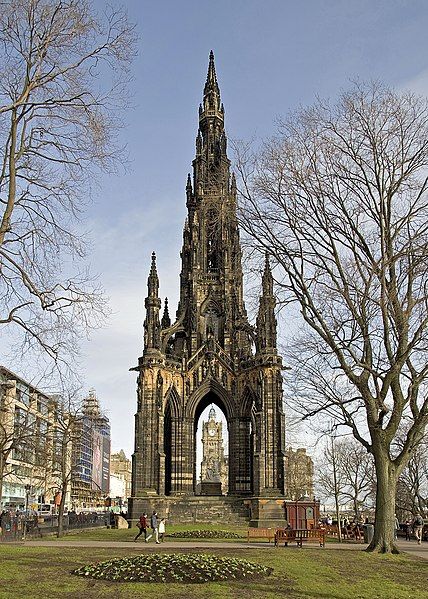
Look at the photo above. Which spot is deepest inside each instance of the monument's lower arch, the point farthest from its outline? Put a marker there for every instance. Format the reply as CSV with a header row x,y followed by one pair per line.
x,y
179,454
175,437
207,400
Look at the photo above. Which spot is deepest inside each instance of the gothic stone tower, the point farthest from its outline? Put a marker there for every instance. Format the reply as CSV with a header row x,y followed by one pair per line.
x,y
210,353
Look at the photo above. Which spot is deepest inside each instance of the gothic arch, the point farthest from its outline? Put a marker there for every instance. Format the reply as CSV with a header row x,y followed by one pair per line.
x,y
173,402
210,303
207,387
249,402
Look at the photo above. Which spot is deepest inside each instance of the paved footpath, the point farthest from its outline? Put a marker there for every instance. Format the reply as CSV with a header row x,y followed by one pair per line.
x,y
410,547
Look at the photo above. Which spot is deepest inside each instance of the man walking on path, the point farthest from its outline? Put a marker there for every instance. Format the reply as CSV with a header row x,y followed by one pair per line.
x,y
154,527
142,525
418,524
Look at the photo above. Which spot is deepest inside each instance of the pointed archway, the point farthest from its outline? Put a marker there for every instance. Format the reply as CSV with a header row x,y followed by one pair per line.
x,y
209,439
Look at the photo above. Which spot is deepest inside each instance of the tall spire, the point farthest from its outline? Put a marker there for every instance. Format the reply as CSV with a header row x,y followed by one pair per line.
x,y
267,279
212,105
211,165
153,280
153,304
211,84
266,321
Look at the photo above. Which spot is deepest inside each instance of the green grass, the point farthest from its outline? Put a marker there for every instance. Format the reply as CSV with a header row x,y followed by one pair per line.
x,y
308,573
108,534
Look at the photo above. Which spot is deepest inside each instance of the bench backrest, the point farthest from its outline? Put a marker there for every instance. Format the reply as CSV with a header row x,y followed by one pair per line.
x,y
313,533
285,533
260,533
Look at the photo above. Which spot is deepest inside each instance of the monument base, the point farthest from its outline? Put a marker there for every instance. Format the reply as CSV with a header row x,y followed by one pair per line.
x,y
210,488
267,512
258,512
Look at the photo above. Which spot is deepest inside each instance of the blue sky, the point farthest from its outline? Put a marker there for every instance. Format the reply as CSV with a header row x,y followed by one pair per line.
x,y
271,56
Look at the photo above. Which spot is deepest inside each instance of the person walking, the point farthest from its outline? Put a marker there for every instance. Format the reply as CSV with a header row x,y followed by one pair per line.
x,y
162,529
396,527
154,527
418,524
142,525
408,529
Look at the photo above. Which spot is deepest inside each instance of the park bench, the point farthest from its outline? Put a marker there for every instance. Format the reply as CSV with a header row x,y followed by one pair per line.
x,y
347,532
314,535
285,535
261,533
332,530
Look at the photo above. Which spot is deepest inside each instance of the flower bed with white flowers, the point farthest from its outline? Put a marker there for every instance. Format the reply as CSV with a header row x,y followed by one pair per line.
x,y
166,567
205,534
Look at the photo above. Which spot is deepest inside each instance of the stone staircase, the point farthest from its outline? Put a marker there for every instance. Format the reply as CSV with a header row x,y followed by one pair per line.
x,y
198,508
209,509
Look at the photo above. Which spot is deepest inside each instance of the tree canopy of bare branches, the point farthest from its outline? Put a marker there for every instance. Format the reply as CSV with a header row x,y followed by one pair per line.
x,y
346,473
63,82
412,486
338,198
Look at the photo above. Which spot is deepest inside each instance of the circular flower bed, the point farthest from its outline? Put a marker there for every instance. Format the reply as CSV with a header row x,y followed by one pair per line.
x,y
187,568
205,534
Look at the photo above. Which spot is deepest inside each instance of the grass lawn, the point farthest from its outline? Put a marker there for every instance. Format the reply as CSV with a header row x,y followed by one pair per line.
x,y
308,573
108,534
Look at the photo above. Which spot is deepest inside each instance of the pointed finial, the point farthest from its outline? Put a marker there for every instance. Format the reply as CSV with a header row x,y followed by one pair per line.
x,y
153,280
189,182
199,142
233,182
211,83
166,321
267,279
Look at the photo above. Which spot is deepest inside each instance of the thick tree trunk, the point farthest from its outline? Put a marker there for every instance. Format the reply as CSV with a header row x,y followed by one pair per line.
x,y
383,540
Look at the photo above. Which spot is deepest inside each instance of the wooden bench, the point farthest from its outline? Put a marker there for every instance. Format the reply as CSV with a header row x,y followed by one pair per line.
x,y
261,533
314,535
284,534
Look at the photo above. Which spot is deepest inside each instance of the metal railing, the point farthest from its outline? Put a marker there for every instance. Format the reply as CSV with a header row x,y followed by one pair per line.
x,y
18,527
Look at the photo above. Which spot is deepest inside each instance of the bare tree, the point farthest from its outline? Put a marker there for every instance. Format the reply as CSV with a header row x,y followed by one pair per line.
x,y
59,457
331,480
412,487
358,474
338,198
63,74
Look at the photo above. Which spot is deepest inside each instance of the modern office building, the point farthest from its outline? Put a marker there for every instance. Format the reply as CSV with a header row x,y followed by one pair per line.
x,y
30,434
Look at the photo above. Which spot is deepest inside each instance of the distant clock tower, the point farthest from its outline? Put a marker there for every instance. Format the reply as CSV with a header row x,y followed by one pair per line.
x,y
214,463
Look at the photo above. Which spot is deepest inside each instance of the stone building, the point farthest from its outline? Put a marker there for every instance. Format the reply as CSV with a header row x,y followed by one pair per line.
x,y
214,462
30,443
120,477
209,353
299,474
